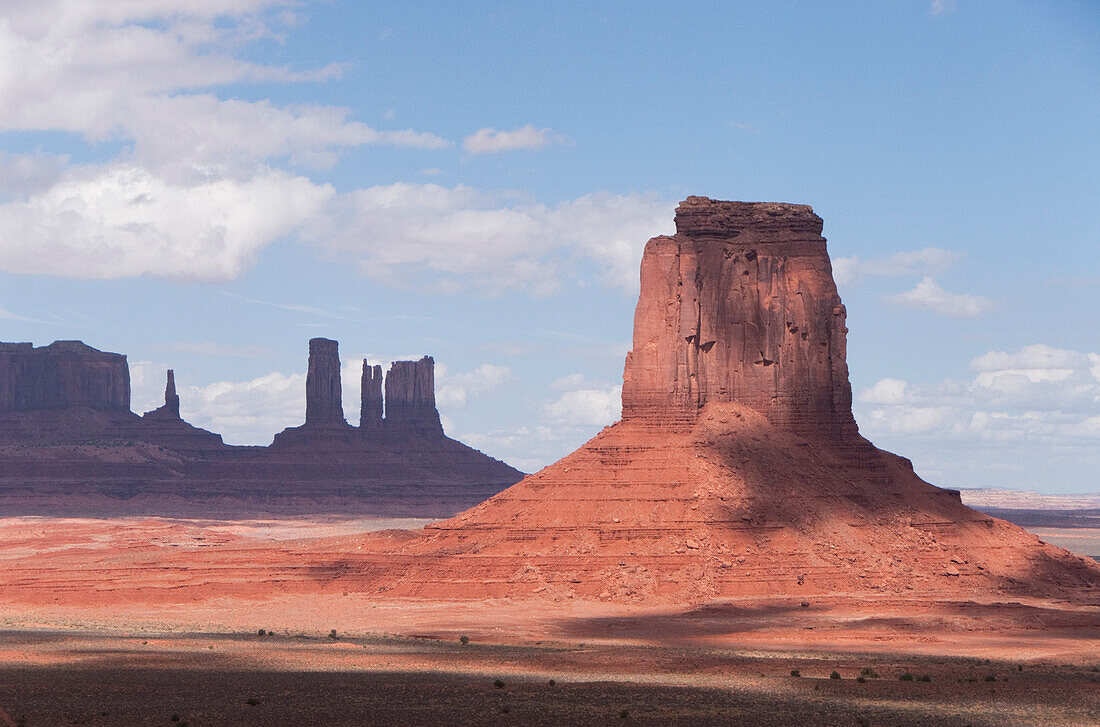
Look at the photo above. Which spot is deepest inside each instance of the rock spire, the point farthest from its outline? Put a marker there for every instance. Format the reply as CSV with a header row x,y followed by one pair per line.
x,y
323,396
370,410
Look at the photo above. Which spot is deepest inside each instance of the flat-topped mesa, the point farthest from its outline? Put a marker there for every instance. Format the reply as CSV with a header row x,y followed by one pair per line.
x,y
62,375
324,405
740,306
410,397
370,410
171,407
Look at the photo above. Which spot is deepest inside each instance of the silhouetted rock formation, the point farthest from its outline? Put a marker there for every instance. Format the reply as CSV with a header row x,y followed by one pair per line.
x,y
171,408
73,458
737,469
63,375
410,397
370,409
324,404
164,426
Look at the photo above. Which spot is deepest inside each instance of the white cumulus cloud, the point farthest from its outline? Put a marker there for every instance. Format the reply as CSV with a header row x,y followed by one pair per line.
x,y
490,141
460,237
929,295
1026,408
121,220
585,403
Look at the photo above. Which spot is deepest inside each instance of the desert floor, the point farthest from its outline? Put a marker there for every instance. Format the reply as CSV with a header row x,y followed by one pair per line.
x,y
66,657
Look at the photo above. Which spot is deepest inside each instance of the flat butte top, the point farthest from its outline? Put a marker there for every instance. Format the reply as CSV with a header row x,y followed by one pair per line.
x,y
702,217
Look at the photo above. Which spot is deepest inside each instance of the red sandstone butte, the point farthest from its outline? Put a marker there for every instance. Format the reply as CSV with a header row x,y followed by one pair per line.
x,y
737,469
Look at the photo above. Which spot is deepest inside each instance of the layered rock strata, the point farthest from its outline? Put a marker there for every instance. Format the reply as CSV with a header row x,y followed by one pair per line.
x,y
737,469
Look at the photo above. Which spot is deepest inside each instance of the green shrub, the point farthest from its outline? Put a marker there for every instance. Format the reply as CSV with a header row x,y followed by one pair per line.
x,y
465,640
869,673
991,678
795,673
332,634
251,701
835,675
861,679
499,684
924,678
552,682
905,677
262,632
623,713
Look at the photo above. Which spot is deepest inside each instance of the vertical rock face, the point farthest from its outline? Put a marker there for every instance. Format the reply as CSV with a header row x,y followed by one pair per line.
x,y
740,306
410,397
323,395
63,375
370,410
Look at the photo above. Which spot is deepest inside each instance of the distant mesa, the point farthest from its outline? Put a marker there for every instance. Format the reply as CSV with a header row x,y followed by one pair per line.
x,y
69,443
737,469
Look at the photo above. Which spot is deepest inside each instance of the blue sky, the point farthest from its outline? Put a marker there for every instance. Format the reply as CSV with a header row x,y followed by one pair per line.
x,y
207,184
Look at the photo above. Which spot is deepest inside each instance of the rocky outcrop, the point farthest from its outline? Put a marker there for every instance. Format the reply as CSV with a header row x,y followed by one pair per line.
x,y
324,404
164,426
81,460
63,375
737,470
740,306
410,398
370,409
171,407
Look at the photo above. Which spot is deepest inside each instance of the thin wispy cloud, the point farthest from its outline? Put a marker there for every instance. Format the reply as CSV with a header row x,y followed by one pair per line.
x,y
295,307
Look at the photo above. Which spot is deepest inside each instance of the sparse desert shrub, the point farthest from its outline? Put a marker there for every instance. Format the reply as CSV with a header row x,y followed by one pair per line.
x,y
805,604
835,675
869,673
1019,667
251,701
505,708
175,718
861,679
991,678
552,682
905,677
262,632
924,678
464,640
795,673
332,634
499,684
623,713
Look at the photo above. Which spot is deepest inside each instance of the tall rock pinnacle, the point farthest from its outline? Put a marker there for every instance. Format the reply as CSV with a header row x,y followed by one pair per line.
x,y
740,306
410,396
370,411
323,395
171,398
